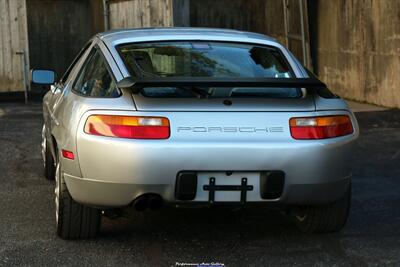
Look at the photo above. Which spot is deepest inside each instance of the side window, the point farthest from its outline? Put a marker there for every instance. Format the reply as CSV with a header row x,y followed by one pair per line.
x,y
74,63
94,78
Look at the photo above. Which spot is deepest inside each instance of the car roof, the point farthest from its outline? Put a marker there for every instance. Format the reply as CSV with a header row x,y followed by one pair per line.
x,y
155,33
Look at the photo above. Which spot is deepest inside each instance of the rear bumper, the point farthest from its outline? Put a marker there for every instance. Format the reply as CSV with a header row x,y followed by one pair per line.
x,y
108,194
316,172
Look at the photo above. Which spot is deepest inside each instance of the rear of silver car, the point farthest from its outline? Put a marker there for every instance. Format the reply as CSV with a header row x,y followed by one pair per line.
x,y
227,145
209,145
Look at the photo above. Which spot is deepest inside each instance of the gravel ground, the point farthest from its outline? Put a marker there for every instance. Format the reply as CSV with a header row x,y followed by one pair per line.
x,y
162,238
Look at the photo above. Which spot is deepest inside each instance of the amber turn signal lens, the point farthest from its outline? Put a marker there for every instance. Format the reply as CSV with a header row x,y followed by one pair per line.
x,y
320,127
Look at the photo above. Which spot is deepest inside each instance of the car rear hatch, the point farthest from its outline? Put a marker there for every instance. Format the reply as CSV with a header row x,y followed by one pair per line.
x,y
225,109
239,120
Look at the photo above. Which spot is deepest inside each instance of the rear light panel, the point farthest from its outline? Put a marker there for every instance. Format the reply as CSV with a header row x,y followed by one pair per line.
x,y
133,127
321,127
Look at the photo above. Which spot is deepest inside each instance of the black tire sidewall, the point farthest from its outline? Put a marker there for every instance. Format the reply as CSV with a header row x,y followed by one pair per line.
x,y
49,166
325,219
72,224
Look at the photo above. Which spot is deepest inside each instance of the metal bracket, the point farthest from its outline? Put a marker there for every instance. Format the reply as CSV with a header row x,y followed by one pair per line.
x,y
212,187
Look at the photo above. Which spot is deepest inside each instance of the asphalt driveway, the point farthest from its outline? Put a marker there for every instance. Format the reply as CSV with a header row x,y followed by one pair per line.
x,y
235,238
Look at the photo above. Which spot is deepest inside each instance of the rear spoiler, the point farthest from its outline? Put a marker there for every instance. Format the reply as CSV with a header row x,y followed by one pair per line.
x,y
139,83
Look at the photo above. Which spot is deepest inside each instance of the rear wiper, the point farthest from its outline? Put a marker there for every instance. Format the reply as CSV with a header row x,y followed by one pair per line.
x,y
199,93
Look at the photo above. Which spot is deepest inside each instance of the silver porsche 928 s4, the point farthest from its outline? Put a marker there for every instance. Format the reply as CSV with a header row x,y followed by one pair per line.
x,y
191,116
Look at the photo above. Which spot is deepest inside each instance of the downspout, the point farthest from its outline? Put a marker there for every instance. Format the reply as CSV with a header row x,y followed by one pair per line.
x,y
303,35
286,22
313,26
106,15
24,73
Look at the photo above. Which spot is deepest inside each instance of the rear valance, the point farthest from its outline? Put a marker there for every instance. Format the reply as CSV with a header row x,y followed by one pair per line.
x,y
139,83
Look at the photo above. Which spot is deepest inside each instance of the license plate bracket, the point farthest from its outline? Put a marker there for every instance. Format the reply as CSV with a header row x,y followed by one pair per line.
x,y
212,187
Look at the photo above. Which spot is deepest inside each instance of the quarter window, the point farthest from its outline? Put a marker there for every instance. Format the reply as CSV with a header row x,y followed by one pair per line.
x,y
95,79
74,64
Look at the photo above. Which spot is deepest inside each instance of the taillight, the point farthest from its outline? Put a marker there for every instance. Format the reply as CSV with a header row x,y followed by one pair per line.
x,y
128,126
320,127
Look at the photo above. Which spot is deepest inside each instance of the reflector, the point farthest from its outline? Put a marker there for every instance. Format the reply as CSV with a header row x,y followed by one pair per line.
x,y
67,154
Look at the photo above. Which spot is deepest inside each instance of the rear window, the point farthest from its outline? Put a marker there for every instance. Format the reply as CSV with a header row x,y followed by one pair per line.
x,y
208,59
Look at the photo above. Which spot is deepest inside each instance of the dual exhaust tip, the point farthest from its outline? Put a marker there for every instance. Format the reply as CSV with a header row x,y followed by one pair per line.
x,y
148,201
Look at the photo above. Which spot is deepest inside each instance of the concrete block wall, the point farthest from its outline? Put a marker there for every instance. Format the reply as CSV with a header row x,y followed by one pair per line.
x,y
358,49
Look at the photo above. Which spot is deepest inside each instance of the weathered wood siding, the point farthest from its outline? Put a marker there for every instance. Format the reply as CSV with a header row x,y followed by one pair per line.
x,y
359,49
181,13
262,16
140,13
13,39
236,14
58,30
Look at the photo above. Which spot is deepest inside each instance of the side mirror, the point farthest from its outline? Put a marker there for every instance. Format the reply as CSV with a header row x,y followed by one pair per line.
x,y
44,77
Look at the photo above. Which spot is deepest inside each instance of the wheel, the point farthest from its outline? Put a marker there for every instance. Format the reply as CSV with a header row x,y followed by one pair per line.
x,y
74,220
324,219
49,169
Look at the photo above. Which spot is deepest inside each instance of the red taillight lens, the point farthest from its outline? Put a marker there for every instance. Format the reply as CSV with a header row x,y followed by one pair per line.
x,y
67,154
320,127
128,126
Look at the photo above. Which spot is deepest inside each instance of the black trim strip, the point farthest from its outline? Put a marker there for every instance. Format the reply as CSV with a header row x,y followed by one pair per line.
x,y
140,83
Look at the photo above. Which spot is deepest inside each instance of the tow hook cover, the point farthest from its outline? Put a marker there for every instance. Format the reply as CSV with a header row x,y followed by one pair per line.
x,y
271,184
186,185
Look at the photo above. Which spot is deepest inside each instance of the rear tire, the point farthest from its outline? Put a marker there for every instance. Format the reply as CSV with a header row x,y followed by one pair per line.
x,y
324,219
49,168
74,220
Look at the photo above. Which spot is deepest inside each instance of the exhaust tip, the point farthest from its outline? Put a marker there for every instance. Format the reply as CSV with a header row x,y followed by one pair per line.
x,y
151,201
155,202
140,204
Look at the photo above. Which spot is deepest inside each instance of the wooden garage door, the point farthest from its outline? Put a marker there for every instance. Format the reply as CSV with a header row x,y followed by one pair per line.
x,y
59,29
